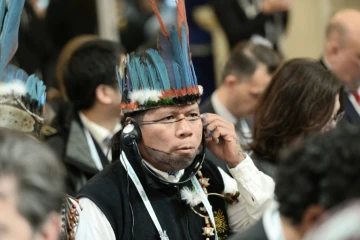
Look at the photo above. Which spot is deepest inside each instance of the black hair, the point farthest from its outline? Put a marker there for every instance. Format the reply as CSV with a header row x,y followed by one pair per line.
x,y
92,64
245,58
323,171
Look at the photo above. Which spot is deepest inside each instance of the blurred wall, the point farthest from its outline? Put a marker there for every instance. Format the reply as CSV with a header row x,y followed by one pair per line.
x,y
306,29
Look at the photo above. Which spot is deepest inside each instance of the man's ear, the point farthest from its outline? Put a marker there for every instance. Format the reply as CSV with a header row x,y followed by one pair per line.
x,y
50,230
310,217
103,94
333,47
230,81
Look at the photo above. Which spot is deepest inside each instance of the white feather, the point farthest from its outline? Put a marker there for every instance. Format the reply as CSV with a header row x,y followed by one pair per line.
x,y
192,198
201,89
143,96
17,87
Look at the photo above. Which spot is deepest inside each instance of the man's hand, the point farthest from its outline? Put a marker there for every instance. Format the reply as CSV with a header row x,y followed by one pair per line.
x,y
221,139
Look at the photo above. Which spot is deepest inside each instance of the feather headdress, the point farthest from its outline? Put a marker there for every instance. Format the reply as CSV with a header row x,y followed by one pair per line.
x,y
163,77
22,97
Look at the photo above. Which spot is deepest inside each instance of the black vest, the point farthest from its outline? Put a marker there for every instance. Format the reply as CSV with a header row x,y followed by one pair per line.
x,y
117,197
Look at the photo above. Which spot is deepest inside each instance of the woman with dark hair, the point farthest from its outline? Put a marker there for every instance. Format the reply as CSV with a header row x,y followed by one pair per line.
x,y
302,99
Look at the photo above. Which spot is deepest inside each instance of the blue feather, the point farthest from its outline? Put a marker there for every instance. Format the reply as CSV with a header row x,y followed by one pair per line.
x,y
193,74
160,68
185,53
134,84
178,57
155,82
43,100
143,77
31,87
13,73
40,90
119,78
166,54
10,32
2,12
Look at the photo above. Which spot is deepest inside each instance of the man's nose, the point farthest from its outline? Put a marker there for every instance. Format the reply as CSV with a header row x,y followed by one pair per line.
x,y
183,128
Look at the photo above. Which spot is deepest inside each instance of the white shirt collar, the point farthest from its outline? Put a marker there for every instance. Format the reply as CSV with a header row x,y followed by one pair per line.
x,y
326,63
221,110
165,175
98,132
272,223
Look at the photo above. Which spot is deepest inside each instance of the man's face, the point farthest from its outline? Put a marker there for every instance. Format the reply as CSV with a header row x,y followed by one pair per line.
x,y
171,136
13,226
347,63
115,95
246,94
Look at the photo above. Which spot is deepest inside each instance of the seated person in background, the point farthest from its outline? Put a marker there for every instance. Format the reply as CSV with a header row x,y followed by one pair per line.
x,y
345,214
303,98
244,19
91,86
154,191
24,164
342,57
31,186
311,179
245,77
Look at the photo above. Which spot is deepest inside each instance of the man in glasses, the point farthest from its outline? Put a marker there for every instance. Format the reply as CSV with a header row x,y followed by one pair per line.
x,y
161,187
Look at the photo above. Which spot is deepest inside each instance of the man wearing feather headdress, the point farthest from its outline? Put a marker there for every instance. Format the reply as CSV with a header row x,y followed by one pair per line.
x,y
162,188
22,101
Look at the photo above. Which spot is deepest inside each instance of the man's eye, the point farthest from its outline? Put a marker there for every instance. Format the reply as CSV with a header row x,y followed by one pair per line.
x,y
168,118
194,115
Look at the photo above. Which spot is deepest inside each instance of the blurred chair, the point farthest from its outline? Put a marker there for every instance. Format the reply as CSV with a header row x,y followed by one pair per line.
x,y
65,55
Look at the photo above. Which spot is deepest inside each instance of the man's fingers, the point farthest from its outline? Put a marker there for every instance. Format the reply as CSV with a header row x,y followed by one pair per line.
x,y
211,126
221,133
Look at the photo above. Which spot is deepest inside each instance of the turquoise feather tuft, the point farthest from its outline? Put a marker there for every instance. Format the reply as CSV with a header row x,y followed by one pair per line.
x,y
10,32
161,72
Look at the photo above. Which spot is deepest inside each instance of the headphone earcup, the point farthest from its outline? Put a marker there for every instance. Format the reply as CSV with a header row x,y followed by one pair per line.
x,y
131,133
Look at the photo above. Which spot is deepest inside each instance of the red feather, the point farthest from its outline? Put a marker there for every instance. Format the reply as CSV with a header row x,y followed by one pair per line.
x,y
182,18
158,16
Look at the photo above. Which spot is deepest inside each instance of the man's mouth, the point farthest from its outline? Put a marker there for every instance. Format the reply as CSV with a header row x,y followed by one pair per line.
x,y
185,150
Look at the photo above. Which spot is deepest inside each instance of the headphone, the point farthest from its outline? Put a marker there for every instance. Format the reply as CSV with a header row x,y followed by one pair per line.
x,y
131,134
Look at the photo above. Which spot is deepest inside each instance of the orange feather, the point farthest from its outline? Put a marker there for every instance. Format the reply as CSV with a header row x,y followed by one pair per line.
x,y
181,11
158,16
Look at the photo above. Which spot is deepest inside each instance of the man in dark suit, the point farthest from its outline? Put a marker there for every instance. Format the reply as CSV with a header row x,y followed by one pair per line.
x,y
246,75
310,182
342,57
245,19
